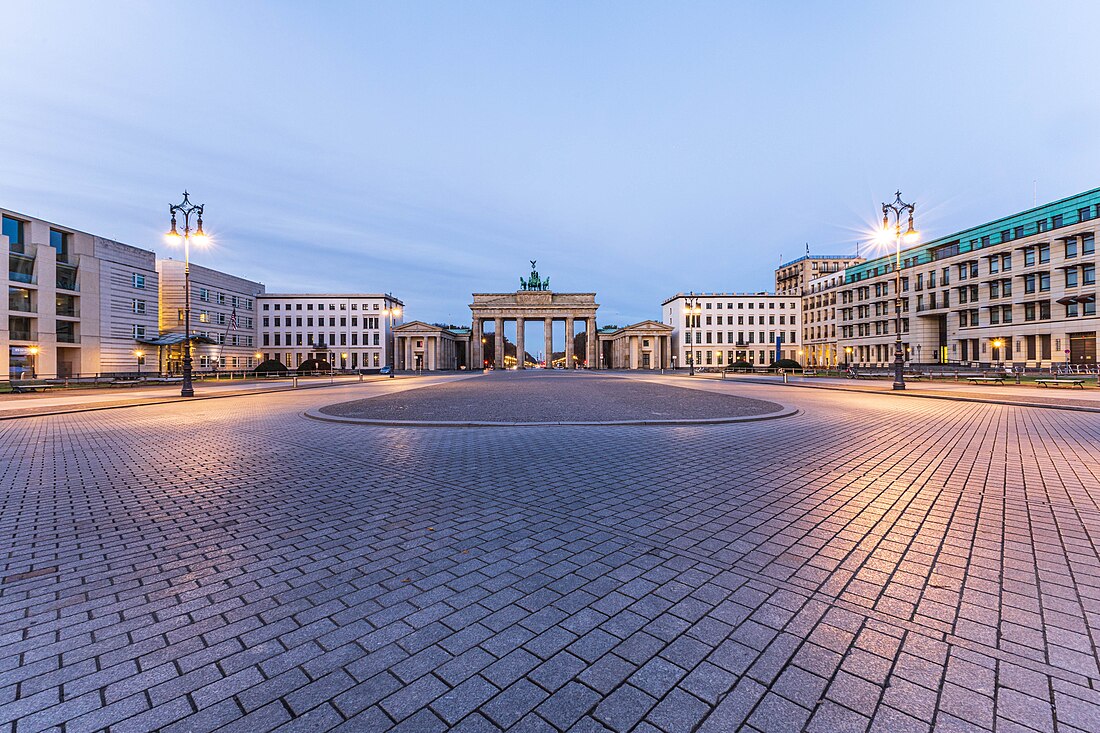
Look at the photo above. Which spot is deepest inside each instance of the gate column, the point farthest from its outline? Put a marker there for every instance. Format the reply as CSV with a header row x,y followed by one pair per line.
x,y
548,337
519,343
569,342
498,340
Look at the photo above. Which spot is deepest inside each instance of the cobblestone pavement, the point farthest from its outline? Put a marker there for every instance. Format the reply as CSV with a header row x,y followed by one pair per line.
x,y
869,564
553,396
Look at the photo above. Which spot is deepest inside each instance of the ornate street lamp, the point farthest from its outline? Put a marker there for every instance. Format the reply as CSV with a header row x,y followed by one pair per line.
x,y
898,208
392,312
693,309
187,209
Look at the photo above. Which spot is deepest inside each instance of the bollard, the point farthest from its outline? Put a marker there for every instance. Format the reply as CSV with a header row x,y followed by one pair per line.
x,y
784,373
360,376
295,382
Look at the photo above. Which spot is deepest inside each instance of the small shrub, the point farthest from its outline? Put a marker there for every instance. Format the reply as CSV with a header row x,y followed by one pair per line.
x,y
271,366
314,365
786,364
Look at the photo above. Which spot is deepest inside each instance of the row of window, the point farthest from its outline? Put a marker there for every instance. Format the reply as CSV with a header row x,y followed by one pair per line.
x,y
296,339
222,319
321,306
716,337
953,249
235,301
696,321
740,305
371,322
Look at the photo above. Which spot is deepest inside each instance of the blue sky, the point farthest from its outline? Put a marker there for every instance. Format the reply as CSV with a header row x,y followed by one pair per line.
x,y
634,148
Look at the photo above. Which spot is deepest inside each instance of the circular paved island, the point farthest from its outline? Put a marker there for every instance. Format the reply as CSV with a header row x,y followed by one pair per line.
x,y
551,398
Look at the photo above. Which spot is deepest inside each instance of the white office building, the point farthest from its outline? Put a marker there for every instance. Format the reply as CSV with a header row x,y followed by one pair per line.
x,y
756,328
348,331
77,303
223,318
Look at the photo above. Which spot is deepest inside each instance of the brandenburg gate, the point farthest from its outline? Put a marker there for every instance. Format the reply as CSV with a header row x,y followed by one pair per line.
x,y
534,301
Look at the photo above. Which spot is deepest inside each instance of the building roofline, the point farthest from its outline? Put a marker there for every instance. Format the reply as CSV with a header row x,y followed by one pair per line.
x,y
383,296
74,230
760,294
1048,209
821,257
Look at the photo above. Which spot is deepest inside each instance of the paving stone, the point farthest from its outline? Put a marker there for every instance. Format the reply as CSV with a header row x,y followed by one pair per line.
x,y
829,588
624,708
514,703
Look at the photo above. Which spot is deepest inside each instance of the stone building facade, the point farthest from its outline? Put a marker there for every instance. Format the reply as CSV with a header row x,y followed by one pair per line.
x,y
346,331
1019,290
77,303
223,310
756,328
644,345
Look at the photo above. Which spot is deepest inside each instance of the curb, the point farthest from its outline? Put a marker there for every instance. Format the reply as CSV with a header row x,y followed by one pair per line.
x,y
925,395
316,414
172,400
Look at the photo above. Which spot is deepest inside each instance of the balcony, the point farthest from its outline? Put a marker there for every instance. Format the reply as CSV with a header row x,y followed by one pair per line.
x,y
67,277
19,300
21,268
67,306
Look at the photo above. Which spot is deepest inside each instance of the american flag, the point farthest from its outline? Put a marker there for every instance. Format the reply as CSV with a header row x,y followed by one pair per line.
x,y
233,319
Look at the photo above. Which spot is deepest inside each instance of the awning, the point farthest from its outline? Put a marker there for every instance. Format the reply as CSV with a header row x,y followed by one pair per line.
x,y
171,339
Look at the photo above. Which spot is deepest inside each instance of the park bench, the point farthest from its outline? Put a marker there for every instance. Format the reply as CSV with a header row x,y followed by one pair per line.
x,y
28,386
986,380
1056,381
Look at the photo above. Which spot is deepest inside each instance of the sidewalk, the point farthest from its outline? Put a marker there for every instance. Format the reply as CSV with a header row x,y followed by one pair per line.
x,y
1008,394
75,400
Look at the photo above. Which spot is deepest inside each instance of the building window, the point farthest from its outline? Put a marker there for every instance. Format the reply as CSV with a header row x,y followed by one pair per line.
x,y
139,331
1056,220
13,230
139,281
1071,248
1029,257
138,306
1044,254
204,295
60,242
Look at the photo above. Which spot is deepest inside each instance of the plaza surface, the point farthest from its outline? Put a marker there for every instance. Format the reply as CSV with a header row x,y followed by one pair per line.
x,y
871,563
541,396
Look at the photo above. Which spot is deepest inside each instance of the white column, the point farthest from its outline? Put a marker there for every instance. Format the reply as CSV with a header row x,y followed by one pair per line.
x,y
569,342
519,342
548,337
498,338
